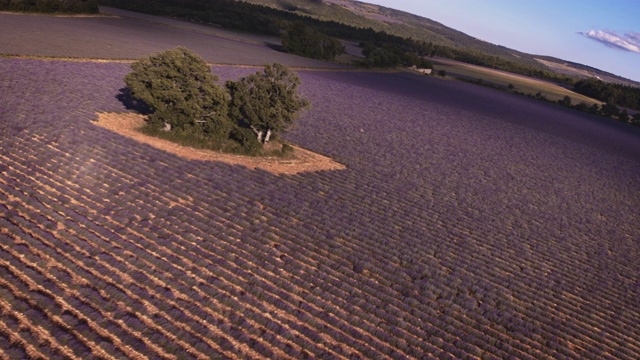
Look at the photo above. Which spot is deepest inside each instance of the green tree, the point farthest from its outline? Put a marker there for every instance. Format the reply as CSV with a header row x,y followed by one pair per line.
x,y
566,101
609,110
582,106
624,116
181,91
303,40
266,102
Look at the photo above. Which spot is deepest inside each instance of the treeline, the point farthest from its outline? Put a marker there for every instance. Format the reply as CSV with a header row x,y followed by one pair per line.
x,y
616,94
607,109
230,14
383,49
51,6
390,55
304,40
248,17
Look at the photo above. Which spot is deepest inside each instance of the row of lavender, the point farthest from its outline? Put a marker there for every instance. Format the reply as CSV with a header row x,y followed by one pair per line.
x,y
460,227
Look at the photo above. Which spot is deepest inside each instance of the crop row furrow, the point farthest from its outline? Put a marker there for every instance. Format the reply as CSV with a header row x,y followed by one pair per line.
x,y
96,306
149,276
114,272
240,254
112,284
131,280
88,344
21,327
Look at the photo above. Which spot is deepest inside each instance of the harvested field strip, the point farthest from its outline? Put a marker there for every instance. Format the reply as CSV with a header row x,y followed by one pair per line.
x,y
127,38
524,84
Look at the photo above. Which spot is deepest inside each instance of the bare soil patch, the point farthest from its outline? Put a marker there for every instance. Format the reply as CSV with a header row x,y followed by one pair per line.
x,y
127,124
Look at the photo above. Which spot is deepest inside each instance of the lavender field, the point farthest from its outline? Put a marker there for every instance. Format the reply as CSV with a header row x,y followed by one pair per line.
x,y
132,36
469,223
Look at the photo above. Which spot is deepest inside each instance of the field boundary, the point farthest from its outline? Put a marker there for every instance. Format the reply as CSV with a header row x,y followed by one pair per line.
x,y
127,124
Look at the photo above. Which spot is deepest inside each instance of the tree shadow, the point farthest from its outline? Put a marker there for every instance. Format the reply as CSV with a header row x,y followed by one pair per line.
x,y
130,103
276,47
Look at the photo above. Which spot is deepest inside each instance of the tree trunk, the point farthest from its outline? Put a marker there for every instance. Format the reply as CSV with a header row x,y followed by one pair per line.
x,y
267,136
257,132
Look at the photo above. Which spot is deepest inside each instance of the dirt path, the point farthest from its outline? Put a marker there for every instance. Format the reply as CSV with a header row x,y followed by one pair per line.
x,y
126,124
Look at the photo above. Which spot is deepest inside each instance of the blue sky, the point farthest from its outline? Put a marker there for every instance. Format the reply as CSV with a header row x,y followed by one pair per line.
x,y
604,34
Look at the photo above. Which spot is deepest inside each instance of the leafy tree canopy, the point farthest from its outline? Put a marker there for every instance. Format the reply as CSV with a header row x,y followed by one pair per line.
x,y
180,89
617,94
267,101
391,55
304,40
187,106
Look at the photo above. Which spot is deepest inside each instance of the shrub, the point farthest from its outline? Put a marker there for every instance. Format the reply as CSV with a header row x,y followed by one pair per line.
x,y
609,110
246,141
566,101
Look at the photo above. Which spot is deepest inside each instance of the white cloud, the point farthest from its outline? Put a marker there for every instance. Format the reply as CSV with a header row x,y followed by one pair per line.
x,y
629,41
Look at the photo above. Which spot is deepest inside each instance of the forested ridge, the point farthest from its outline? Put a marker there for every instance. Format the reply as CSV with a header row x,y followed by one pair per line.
x,y
50,6
617,94
262,19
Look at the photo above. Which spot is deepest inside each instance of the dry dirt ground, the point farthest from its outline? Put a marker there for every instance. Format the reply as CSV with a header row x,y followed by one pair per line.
x,y
126,124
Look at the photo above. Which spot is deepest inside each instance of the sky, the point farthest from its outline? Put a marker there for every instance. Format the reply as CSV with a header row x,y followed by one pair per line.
x,y
604,34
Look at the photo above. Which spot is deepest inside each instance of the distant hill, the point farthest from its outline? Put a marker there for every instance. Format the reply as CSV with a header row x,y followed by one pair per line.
x,y
583,71
408,25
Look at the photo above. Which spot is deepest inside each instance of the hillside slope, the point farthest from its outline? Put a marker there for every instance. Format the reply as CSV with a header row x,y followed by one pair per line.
x,y
408,25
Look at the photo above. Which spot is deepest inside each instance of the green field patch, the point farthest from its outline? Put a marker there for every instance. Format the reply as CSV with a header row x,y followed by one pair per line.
x,y
509,81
